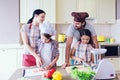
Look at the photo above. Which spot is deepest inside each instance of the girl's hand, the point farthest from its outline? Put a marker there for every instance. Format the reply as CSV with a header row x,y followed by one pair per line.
x,y
39,61
47,67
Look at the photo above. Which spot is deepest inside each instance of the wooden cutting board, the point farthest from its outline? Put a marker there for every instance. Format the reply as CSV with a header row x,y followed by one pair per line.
x,y
82,68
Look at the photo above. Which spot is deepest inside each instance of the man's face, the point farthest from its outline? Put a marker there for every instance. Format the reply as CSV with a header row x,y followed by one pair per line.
x,y
79,25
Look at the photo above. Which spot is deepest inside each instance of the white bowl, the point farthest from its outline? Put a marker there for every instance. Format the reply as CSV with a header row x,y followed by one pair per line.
x,y
98,51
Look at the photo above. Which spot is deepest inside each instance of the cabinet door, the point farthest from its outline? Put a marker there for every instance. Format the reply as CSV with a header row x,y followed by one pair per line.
x,y
116,63
8,63
64,9
61,59
19,57
88,6
105,11
28,6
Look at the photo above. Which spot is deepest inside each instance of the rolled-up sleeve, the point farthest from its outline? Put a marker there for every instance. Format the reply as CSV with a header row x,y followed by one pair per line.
x,y
70,31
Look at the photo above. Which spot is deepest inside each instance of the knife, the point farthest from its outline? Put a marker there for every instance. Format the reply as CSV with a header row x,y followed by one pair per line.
x,y
23,73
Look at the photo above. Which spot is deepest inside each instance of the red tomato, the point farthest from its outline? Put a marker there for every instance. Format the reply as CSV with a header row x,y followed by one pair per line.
x,y
49,73
52,70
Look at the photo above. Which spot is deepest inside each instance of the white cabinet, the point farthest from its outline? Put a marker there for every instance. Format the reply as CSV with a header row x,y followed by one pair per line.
x,y
28,6
116,63
61,59
87,6
103,11
19,57
64,9
8,63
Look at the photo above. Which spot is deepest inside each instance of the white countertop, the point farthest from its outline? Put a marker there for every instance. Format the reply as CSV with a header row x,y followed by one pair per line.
x,y
11,46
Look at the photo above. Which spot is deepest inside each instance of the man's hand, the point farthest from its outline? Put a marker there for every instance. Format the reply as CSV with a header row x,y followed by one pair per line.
x,y
65,65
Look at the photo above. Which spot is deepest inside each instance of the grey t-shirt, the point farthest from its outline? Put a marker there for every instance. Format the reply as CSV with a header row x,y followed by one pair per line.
x,y
72,32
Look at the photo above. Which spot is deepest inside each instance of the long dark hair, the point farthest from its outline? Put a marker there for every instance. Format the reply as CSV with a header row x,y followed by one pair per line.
x,y
86,32
37,11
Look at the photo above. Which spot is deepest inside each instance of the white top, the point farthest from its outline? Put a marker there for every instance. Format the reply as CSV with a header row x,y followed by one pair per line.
x,y
46,54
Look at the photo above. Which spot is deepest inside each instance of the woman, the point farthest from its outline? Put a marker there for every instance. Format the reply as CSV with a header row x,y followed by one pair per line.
x,y
73,34
30,34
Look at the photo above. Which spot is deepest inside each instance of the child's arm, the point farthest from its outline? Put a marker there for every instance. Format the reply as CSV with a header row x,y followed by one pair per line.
x,y
75,57
52,63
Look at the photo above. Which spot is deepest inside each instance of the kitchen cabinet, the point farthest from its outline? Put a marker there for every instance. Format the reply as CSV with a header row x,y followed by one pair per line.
x,y
88,6
103,11
115,62
64,9
61,59
28,6
8,63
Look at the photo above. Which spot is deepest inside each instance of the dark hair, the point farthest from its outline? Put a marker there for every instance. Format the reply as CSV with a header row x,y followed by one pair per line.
x,y
87,33
37,11
48,36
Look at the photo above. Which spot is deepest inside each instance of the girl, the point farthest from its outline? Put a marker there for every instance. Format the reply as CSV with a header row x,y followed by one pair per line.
x,y
47,47
81,50
30,34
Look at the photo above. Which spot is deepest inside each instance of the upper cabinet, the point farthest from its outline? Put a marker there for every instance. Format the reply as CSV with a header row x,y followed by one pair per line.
x,y
87,6
28,6
64,9
59,11
106,11
103,11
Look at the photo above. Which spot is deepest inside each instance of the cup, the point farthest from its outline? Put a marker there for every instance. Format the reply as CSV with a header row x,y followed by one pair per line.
x,y
112,40
108,40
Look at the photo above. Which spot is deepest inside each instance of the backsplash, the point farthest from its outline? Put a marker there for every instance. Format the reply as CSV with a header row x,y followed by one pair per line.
x,y
101,29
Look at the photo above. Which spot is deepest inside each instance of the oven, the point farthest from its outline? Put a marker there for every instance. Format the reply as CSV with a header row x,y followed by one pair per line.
x,y
113,50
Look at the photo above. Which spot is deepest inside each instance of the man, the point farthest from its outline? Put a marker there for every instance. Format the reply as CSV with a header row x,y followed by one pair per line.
x,y
73,34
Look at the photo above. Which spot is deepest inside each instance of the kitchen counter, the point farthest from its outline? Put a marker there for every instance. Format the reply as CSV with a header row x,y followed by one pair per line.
x,y
11,46
18,74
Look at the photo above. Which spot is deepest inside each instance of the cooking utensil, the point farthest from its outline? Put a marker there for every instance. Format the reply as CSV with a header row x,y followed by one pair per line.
x,y
104,69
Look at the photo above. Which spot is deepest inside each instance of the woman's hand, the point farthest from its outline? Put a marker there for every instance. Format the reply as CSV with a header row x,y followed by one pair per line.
x,y
39,61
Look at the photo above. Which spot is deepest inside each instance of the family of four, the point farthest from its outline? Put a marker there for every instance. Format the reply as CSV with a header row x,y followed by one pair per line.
x,y
42,51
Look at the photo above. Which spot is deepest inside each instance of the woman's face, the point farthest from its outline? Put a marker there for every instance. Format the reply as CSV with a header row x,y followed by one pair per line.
x,y
44,39
40,18
85,39
78,25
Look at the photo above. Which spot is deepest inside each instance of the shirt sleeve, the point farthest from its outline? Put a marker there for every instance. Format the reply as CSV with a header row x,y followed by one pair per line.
x,y
70,31
91,28
24,28
56,51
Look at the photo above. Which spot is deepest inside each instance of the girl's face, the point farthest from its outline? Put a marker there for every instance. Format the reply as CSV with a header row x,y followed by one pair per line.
x,y
44,39
40,18
85,39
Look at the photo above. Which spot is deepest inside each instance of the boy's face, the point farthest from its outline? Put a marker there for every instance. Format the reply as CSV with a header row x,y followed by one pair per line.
x,y
85,39
44,39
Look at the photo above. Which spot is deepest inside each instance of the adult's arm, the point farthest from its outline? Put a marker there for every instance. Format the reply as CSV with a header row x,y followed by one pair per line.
x,y
95,42
68,47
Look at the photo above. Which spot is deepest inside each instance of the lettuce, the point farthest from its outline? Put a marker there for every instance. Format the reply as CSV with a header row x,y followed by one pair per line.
x,y
82,75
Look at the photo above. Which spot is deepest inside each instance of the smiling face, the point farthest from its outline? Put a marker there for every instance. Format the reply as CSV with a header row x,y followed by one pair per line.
x,y
40,18
79,25
85,39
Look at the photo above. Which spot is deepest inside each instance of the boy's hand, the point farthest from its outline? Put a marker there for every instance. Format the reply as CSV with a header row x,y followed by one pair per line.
x,y
39,61
47,67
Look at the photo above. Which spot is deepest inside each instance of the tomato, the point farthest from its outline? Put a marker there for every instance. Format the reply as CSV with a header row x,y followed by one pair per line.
x,y
52,70
49,73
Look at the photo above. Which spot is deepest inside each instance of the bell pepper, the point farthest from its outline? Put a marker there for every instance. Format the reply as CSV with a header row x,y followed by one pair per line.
x,y
49,73
57,75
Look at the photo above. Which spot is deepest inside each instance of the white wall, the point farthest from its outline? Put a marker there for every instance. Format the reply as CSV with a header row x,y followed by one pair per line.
x,y
9,21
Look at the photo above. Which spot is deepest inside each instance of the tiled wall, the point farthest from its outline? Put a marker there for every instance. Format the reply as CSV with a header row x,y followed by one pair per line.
x,y
100,29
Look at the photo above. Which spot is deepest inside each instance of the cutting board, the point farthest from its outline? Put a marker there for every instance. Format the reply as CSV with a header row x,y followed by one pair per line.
x,y
33,72
82,68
